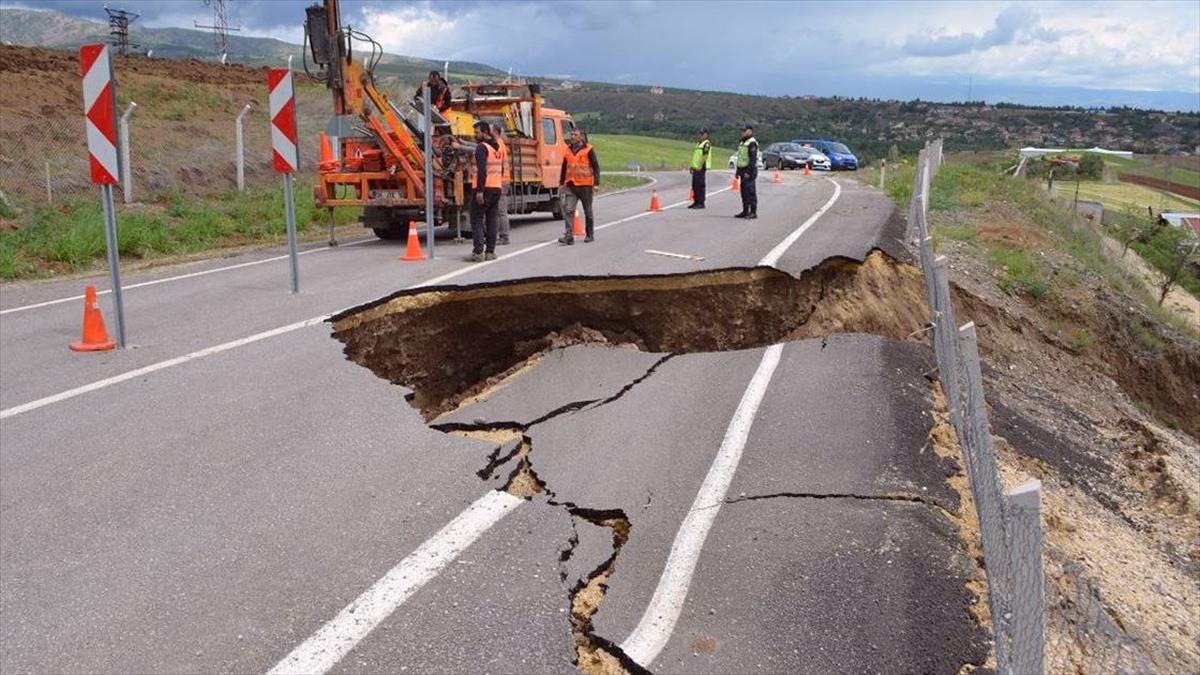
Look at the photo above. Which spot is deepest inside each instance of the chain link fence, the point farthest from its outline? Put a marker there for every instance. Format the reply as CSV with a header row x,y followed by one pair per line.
x,y
44,158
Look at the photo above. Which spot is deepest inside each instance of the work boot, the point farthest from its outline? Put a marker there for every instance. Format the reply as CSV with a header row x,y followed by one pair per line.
x,y
743,214
751,216
693,206
489,256
589,239
475,257
502,241
566,241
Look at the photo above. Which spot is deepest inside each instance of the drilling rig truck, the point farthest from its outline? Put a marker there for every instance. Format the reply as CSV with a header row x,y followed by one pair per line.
x,y
379,163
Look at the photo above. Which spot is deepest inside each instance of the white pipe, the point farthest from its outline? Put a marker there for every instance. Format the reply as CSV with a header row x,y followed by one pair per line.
x,y
127,195
241,160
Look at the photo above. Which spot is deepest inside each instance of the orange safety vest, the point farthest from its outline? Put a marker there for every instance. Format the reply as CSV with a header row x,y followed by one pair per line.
x,y
507,174
495,169
579,170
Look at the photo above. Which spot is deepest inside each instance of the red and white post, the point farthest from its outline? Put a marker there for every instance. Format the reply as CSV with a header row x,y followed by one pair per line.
x,y
286,154
100,121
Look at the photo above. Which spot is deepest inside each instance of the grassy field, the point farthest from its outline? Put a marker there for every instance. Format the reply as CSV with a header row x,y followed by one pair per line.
x,y
654,154
68,236
1125,196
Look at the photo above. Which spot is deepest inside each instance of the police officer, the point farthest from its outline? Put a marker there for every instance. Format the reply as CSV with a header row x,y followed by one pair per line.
x,y
579,178
489,171
747,172
701,163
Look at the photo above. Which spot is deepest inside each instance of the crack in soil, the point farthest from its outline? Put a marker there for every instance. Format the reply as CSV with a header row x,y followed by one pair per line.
x,y
453,346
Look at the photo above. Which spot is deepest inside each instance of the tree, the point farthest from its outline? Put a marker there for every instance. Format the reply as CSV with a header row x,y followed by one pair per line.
x,y
1091,166
1171,251
1127,228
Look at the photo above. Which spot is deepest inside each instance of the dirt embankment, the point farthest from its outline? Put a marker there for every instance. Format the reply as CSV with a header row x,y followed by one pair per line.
x,y
1160,184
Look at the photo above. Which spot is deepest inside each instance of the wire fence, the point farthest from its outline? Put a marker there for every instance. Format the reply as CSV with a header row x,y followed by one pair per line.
x,y
1084,637
44,157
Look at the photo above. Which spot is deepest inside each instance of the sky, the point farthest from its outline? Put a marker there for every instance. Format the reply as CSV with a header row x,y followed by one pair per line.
x,y
1078,52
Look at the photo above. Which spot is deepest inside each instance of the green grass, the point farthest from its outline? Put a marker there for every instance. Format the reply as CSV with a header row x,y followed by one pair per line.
x,y
613,182
1019,272
654,154
69,236
1125,196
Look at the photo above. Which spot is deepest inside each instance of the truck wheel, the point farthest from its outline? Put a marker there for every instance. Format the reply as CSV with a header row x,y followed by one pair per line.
x,y
392,232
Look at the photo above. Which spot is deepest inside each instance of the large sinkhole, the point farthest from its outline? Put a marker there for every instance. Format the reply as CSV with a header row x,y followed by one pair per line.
x,y
448,343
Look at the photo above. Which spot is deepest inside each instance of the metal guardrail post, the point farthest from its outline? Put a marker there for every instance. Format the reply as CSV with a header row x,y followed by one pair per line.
x,y
1027,628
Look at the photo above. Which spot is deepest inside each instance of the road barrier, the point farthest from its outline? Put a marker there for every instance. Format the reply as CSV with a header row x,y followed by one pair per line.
x,y
1010,523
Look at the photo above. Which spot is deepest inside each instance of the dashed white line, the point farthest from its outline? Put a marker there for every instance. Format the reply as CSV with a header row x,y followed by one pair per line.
x,y
336,638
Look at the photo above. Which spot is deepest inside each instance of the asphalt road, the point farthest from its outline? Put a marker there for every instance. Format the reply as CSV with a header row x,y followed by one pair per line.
x,y
232,494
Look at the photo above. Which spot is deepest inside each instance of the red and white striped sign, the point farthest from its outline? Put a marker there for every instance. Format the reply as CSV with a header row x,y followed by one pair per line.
x,y
283,120
100,113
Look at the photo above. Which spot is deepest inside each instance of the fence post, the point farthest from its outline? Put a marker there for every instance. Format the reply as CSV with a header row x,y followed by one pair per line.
x,y
882,173
984,476
241,159
1028,628
127,191
49,193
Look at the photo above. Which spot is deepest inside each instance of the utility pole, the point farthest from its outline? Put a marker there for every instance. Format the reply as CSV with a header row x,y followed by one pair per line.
x,y
220,26
118,28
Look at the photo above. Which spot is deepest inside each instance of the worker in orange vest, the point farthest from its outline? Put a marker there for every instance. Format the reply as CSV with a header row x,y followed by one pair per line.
x,y
489,171
439,91
579,178
506,181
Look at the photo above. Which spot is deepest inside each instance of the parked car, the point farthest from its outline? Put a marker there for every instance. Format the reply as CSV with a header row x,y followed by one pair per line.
x,y
793,156
733,161
839,155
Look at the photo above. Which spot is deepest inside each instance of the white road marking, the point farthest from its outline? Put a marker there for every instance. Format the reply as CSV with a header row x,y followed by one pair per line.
x,y
668,254
249,339
74,298
180,277
658,621
335,639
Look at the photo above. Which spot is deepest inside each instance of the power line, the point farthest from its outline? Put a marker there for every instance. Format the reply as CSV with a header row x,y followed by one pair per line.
x,y
220,25
118,28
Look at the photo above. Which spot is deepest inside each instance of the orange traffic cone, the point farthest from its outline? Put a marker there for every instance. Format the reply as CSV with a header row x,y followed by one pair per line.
x,y
578,232
807,170
328,163
654,201
95,338
414,251
692,196
777,178
735,184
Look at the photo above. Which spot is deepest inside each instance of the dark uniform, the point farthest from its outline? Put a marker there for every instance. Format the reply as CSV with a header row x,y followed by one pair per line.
x,y
747,172
489,170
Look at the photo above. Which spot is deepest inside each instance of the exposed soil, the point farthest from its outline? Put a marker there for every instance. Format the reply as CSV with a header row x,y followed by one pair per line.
x,y
445,344
1093,394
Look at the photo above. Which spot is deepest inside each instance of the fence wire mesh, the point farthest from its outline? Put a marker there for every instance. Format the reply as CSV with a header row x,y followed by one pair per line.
x,y
1054,623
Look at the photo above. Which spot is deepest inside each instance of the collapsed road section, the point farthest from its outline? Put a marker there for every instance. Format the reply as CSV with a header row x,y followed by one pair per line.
x,y
456,347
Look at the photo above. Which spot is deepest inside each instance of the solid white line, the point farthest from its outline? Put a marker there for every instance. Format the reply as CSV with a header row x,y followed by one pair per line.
x,y
658,621
776,253
683,256
183,276
116,379
335,639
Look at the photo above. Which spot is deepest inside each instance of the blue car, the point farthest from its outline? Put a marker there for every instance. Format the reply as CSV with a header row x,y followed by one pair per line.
x,y
839,155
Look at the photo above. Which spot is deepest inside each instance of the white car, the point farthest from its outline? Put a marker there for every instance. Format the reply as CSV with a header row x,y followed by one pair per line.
x,y
733,161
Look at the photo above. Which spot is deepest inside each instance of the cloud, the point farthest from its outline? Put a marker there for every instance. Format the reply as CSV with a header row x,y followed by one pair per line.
x,y
1013,22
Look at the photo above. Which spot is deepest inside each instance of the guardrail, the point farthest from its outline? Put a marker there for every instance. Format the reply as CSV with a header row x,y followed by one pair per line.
x,y
1010,524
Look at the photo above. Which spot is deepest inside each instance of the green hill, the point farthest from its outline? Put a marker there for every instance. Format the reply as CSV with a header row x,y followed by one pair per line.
x,y
615,152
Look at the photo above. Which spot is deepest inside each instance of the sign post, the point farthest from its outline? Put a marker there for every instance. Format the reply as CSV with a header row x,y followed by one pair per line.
x,y
100,120
241,157
286,154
